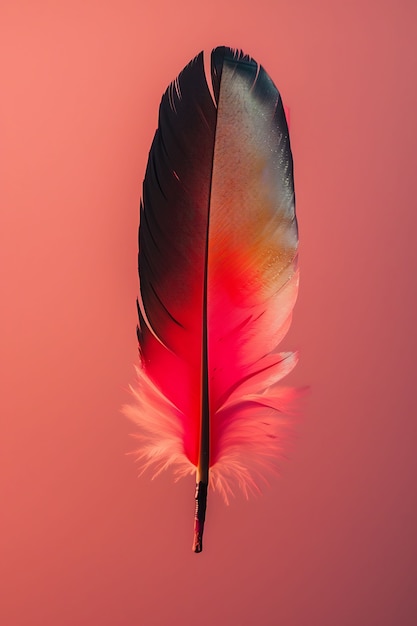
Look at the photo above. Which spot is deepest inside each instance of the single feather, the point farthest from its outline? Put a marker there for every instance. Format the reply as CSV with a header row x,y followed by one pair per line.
x,y
218,279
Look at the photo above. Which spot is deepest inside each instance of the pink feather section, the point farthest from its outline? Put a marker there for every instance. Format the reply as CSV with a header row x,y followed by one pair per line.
x,y
218,278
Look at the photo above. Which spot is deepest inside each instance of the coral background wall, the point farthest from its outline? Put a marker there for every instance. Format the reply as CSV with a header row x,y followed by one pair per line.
x,y
333,541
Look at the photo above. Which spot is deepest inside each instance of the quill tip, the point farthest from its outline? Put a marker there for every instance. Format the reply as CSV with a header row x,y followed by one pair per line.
x,y
200,516
198,542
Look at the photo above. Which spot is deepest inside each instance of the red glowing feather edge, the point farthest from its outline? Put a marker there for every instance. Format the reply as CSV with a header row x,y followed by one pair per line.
x,y
218,279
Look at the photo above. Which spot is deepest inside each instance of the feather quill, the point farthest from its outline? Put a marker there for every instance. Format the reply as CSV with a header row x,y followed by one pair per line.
x,y
218,279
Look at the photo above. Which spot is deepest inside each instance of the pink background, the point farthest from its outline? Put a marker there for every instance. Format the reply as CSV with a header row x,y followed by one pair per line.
x,y
83,541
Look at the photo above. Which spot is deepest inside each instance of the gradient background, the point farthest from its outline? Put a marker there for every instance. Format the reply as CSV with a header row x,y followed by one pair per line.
x,y
83,541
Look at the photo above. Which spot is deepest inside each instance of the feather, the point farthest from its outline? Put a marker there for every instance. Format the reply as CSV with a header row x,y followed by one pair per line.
x,y
218,279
